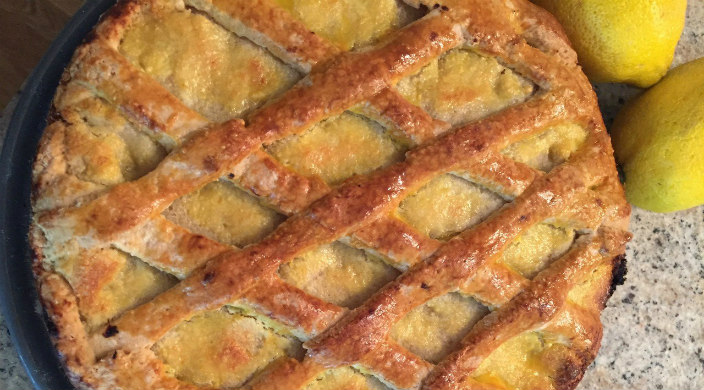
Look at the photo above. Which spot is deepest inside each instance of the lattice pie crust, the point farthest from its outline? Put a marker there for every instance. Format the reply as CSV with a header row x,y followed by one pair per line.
x,y
335,194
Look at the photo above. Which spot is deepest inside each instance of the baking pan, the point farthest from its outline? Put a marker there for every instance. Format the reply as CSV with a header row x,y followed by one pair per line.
x,y
19,300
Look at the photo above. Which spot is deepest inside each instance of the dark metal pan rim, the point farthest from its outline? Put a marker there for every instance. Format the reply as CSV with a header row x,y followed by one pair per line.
x,y
19,299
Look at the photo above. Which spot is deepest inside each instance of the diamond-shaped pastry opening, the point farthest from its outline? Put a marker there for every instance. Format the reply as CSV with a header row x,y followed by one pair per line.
x,y
344,378
108,282
338,148
435,329
543,359
350,23
222,349
210,69
536,248
461,86
225,213
448,205
550,148
338,273
528,361
103,148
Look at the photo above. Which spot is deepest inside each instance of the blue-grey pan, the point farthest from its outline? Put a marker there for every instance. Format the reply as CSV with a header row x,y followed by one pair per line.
x,y
19,300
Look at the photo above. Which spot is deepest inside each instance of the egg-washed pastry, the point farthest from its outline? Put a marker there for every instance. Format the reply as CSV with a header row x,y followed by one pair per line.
x,y
326,194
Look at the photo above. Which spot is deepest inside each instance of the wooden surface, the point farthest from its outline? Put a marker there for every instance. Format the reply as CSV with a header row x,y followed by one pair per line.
x,y
27,27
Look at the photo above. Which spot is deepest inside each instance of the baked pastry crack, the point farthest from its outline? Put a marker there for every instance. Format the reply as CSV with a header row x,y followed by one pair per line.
x,y
386,195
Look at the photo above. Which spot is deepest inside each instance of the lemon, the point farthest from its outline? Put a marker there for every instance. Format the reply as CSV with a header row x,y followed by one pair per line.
x,y
629,41
659,140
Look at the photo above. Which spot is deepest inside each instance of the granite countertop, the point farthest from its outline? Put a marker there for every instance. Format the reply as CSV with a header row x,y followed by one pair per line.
x,y
654,323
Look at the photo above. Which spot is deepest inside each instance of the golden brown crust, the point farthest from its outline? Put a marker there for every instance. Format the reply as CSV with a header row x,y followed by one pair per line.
x,y
287,374
397,365
286,190
62,307
460,258
415,125
170,247
143,100
294,307
272,27
300,107
583,193
536,305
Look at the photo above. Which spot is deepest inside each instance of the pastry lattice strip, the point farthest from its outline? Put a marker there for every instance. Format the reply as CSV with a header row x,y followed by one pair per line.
x,y
391,177
526,312
253,173
357,334
300,222
270,123
108,59
284,244
126,220
157,259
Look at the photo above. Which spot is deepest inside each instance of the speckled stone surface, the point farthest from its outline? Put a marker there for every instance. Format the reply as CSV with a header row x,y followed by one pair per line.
x,y
12,374
654,323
